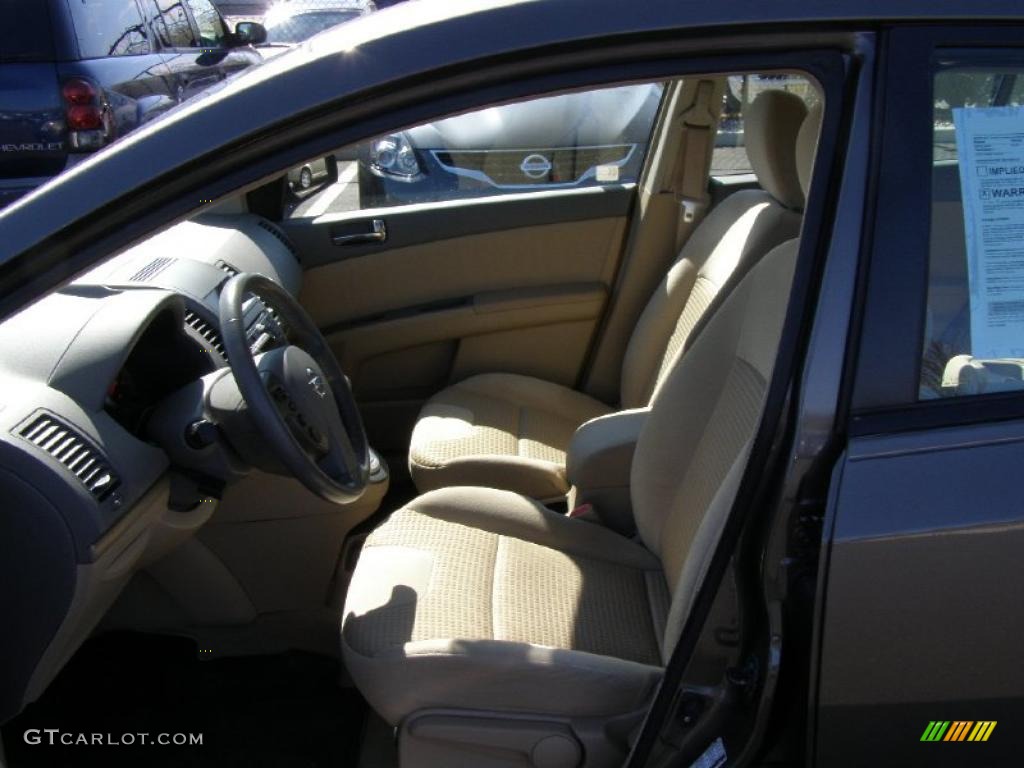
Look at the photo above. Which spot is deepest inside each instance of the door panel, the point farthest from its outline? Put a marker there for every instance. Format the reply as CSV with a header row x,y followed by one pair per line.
x,y
513,283
360,290
526,330
465,287
923,610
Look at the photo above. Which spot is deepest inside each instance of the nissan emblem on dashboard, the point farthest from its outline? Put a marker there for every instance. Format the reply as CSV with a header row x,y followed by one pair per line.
x,y
535,166
316,383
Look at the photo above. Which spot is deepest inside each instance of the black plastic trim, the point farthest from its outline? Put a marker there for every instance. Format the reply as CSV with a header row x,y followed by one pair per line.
x,y
411,225
400,314
935,414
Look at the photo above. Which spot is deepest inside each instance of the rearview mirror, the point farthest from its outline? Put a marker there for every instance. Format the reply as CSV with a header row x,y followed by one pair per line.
x,y
250,33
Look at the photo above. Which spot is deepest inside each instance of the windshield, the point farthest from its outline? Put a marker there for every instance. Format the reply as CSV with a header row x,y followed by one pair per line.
x,y
301,26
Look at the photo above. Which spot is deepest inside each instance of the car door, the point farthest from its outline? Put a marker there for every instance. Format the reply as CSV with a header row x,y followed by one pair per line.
x,y
195,40
172,27
462,254
217,52
922,589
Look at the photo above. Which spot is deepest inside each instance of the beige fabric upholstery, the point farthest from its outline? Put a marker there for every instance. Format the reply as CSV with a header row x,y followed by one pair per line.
x,y
480,599
512,432
476,598
465,584
744,227
499,425
702,421
771,123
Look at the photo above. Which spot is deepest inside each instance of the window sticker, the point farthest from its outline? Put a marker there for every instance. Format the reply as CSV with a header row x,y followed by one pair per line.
x,y
990,145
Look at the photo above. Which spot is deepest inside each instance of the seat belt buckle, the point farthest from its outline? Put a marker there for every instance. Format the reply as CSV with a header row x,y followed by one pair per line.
x,y
583,510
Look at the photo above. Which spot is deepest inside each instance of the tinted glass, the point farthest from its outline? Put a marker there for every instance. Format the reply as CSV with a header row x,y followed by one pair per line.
x,y
302,26
25,32
172,24
573,140
211,28
974,326
108,28
730,154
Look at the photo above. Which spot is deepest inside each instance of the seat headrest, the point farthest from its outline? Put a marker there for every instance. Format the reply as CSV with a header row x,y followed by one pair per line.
x,y
807,145
771,124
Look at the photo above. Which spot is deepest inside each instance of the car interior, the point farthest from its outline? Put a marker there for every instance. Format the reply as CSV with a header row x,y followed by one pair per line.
x,y
440,497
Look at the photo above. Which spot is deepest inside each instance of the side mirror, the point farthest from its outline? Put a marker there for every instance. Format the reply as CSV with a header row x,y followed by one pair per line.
x,y
250,33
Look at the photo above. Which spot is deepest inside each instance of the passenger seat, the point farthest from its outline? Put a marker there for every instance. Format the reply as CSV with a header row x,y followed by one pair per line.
x,y
508,431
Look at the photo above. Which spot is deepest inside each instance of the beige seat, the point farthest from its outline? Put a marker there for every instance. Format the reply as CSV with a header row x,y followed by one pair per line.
x,y
508,431
479,617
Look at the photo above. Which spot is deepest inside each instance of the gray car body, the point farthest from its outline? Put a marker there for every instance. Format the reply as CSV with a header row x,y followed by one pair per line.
x,y
901,506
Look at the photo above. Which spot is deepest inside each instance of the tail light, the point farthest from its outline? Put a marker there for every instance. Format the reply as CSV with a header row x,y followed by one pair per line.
x,y
88,125
79,91
84,117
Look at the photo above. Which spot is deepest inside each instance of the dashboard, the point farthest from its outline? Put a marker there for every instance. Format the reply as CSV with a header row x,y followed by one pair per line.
x,y
81,370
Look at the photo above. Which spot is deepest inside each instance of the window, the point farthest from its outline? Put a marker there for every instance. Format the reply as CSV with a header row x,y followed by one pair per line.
x,y
108,28
171,23
291,28
730,156
211,27
25,34
974,326
563,142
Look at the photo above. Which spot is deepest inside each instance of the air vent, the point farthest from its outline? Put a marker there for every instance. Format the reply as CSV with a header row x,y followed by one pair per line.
x,y
207,332
231,269
74,452
151,270
276,232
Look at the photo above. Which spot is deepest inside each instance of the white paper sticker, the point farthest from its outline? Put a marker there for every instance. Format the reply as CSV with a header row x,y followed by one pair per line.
x,y
990,146
607,172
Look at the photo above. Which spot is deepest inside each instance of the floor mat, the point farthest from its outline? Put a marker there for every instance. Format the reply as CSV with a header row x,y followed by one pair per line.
x,y
282,710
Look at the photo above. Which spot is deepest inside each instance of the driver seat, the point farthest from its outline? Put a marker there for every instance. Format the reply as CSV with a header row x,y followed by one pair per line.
x,y
496,632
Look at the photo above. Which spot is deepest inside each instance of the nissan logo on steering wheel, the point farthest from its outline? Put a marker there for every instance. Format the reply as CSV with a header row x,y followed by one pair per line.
x,y
316,383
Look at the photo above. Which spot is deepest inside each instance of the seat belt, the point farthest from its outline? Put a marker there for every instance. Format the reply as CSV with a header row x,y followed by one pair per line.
x,y
690,177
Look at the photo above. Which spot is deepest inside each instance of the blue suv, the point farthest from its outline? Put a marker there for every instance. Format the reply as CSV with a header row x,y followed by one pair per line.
x,y
76,74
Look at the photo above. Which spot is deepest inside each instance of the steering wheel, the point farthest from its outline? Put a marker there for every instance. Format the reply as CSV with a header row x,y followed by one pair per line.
x,y
297,395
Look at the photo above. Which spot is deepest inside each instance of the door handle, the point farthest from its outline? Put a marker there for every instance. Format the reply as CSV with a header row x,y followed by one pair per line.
x,y
378,234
